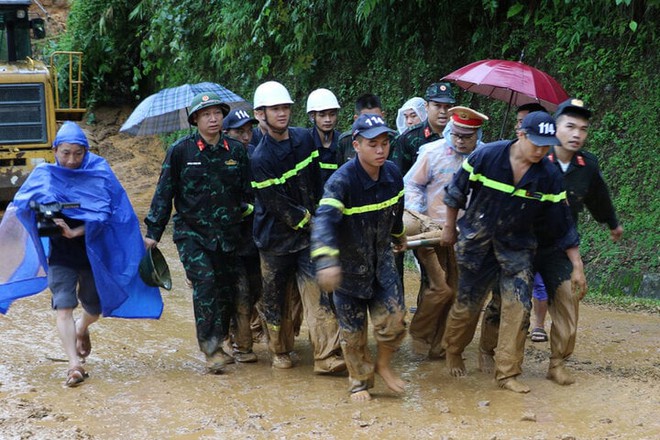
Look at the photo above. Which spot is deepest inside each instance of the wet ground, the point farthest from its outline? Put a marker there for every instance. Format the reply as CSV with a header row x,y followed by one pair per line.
x,y
147,378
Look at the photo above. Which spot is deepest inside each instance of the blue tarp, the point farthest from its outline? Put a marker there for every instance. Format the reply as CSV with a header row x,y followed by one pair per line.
x,y
112,235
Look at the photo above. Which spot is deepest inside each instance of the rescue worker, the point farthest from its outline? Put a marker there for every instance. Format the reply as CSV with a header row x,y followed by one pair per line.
x,y
365,103
239,125
585,187
358,219
287,184
205,175
425,213
539,293
510,184
526,109
323,111
411,113
246,321
439,99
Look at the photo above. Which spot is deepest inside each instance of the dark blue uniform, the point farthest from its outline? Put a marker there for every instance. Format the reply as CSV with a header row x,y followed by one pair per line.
x,y
329,159
497,239
287,184
354,226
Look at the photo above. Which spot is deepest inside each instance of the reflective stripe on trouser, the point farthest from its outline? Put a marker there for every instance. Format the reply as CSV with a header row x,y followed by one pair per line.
x,y
387,312
249,292
279,304
213,276
516,304
437,293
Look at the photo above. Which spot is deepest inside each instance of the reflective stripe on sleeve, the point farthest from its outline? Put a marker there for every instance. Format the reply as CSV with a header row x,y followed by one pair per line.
x,y
403,231
332,202
510,189
324,251
328,166
287,175
304,221
248,210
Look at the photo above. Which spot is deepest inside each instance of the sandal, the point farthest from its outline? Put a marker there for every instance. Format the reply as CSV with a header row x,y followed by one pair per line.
x,y
539,335
75,377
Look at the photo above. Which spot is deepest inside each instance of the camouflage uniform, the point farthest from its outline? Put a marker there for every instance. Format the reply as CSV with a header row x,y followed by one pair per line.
x,y
405,146
209,187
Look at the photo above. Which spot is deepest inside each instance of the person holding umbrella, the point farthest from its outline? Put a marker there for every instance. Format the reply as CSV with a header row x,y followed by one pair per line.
x,y
205,175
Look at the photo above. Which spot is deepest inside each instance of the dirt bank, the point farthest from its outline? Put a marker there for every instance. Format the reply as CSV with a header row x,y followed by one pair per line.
x,y
147,377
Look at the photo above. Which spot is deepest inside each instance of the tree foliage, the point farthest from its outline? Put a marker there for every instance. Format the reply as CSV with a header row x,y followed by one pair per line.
x,y
603,51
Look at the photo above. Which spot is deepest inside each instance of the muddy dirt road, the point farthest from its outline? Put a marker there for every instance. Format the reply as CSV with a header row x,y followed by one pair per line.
x,y
147,378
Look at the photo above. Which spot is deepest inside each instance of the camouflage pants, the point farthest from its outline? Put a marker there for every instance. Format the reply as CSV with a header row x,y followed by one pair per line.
x,y
516,303
213,276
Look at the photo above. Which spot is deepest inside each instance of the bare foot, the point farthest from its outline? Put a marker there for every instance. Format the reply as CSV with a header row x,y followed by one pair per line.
x,y
361,396
393,382
455,365
512,384
560,375
486,363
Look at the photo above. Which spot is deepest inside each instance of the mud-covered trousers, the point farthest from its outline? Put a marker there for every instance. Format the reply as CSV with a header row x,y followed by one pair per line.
x,y
213,276
248,293
277,301
387,311
555,269
436,296
473,288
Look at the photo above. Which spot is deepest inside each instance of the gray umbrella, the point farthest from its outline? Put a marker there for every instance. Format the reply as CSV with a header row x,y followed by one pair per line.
x,y
167,110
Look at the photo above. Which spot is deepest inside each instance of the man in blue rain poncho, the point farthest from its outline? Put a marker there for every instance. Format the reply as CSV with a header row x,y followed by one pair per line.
x,y
81,260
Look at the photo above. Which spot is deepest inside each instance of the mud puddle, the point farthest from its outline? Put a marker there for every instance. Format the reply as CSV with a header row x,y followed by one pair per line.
x,y
147,378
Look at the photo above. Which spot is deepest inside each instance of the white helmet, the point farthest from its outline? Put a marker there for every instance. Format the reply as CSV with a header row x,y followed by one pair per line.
x,y
322,99
271,93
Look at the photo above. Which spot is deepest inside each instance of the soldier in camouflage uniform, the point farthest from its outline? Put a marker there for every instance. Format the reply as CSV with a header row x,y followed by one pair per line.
x,y
439,97
206,176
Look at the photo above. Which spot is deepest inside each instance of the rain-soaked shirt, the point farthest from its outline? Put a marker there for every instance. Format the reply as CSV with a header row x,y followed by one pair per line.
x,y
209,185
425,182
286,180
329,160
501,215
406,146
354,226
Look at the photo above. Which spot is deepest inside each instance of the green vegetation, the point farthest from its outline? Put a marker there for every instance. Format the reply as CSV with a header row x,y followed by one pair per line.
x,y
603,51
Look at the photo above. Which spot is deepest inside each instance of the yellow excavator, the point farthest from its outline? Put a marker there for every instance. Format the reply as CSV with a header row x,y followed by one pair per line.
x,y
34,95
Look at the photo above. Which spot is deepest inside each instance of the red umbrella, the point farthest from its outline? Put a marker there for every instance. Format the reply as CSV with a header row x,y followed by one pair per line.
x,y
513,82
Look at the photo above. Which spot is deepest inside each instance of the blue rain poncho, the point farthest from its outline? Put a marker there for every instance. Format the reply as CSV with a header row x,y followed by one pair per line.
x,y
112,235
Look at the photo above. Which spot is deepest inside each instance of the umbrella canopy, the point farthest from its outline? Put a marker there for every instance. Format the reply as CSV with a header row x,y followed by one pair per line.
x,y
510,81
513,82
167,110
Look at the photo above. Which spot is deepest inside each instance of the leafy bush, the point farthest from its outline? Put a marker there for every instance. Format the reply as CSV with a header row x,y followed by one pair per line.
x,y
603,51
